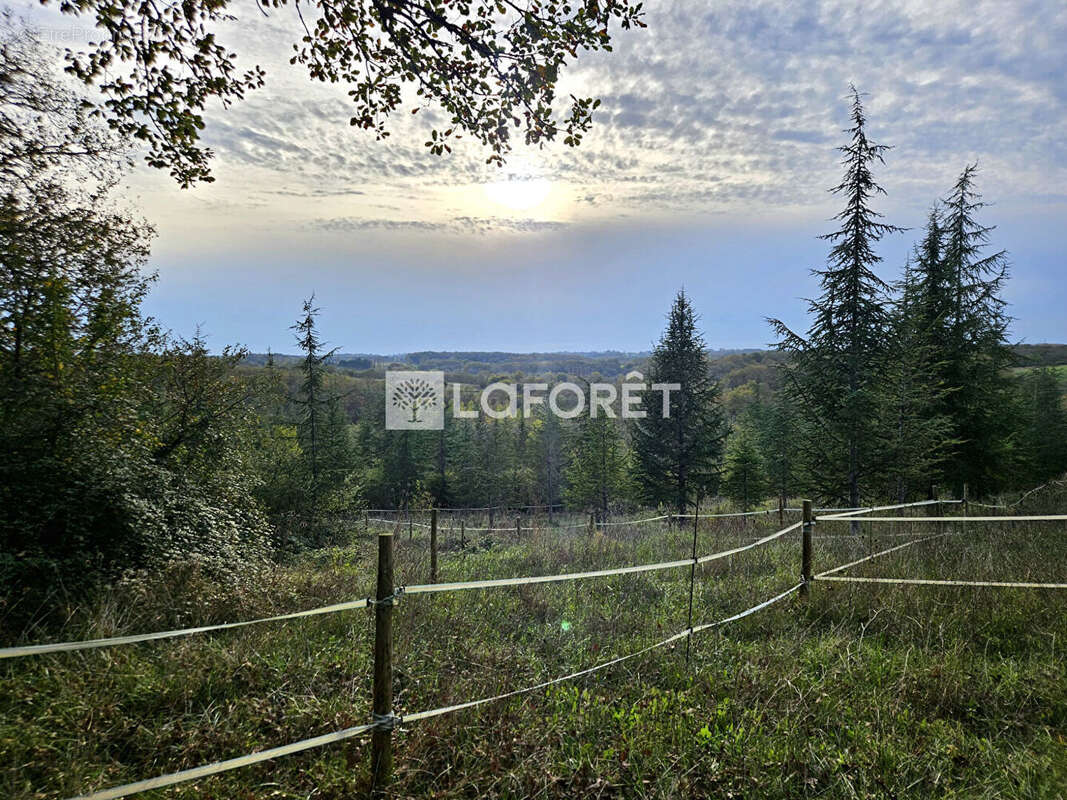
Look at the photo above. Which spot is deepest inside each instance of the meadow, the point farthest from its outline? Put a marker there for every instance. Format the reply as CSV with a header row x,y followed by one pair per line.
x,y
859,690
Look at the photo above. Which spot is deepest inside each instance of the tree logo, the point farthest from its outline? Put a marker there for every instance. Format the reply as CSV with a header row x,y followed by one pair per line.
x,y
414,401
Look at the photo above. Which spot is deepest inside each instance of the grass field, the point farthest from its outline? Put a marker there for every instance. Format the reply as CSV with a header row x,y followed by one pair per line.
x,y
860,691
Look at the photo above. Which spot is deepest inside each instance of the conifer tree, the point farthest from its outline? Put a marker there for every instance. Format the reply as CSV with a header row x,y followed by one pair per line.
x,y
679,457
550,457
441,484
322,428
312,398
400,467
744,479
596,473
959,294
469,469
1045,440
833,378
776,431
917,434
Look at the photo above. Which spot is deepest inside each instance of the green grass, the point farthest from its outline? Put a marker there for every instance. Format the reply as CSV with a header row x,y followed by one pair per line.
x,y
860,691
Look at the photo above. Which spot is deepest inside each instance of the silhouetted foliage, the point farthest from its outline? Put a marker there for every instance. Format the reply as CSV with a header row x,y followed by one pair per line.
x,y
490,65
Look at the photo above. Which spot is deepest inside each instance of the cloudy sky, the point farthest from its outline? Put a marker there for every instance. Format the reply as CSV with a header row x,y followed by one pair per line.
x,y
708,168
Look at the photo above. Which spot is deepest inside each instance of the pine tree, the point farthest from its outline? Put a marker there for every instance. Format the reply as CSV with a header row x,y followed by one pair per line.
x,y
400,467
441,484
776,432
322,429
596,473
678,457
465,457
960,298
834,377
312,398
1045,440
744,480
550,458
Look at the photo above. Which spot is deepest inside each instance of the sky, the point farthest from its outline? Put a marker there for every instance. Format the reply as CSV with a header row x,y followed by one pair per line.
x,y
707,169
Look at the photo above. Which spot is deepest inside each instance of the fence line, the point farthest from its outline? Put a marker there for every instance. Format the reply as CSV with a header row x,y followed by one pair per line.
x,y
572,525
826,510
40,649
183,776
633,521
932,582
842,513
1031,518
1020,500
757,543
733,514
89,644
457,510
18,652
876,555
427,588
641,521
852,537
224,766
869,509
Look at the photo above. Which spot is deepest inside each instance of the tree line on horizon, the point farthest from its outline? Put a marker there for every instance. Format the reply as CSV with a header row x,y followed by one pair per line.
x,y
123,446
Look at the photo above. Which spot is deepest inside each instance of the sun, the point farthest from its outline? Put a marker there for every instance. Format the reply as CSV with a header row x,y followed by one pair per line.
x,y
519,194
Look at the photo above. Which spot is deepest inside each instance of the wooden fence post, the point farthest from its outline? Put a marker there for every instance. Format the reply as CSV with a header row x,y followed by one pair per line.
x,y
940,510
382,737
411,526
966,500
463,532
805,553
781,511
518,527
592,523
433,545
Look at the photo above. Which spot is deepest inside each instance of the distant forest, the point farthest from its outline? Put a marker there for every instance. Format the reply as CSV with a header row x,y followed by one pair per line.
x,y
742,372
484,367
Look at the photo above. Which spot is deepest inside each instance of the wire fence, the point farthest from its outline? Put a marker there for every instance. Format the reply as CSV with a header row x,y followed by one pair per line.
x,y
388,594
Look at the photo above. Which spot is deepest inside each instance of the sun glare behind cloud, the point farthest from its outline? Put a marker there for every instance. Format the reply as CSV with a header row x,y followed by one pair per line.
x,y
518,195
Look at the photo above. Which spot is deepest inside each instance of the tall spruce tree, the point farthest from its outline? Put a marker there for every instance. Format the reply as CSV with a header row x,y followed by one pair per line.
x,y
833,378
321,427
679,457
959,293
